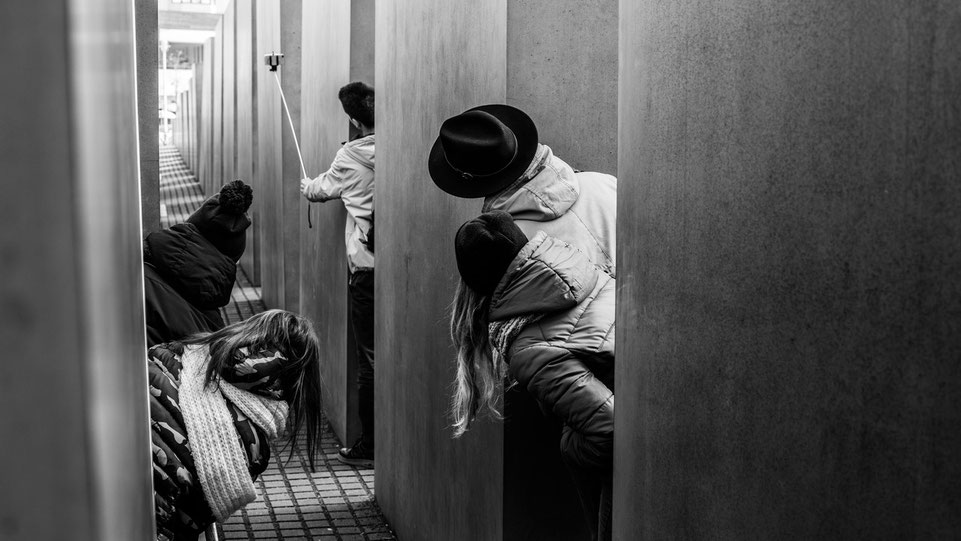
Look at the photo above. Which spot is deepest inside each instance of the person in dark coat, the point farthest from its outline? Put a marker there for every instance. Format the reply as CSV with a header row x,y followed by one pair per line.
x,y
190,268
216,401
540,312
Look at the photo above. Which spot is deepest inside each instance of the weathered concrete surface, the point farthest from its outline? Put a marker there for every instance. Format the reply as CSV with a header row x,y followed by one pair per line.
x,y
229,73
205,136
278,167
295,209
325,68
362,50
145,12
434,59
248,64
562,70
789,312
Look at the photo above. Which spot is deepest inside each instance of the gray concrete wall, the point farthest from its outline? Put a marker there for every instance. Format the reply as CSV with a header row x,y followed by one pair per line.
x,y
177,125
327,36
278,167
196,97
789,310
362,30
562,71
433,59
266,207
148,125
73,386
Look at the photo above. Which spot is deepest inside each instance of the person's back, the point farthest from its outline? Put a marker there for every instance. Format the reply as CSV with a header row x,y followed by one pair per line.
x,y
350,179
190,268
576,207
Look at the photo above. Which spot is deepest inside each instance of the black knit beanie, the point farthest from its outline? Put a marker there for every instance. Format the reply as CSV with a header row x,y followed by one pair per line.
x,y
485,247
223,220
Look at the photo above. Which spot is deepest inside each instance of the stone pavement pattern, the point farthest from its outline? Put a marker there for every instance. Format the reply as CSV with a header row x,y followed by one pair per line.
x,y
335,502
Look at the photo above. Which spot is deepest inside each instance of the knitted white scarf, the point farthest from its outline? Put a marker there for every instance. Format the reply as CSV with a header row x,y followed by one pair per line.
x,y
221,461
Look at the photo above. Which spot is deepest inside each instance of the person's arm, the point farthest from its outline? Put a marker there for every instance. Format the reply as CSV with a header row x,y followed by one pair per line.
x,y
329,184
567,388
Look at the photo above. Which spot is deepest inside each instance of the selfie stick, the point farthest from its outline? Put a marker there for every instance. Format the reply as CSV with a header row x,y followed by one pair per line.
x,y
272,60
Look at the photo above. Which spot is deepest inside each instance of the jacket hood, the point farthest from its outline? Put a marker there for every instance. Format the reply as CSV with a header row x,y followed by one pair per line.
x,y
362,150
547,196
190,264
546,276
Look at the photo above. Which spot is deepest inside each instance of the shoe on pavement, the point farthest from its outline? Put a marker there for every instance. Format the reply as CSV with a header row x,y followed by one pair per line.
x,y
358,455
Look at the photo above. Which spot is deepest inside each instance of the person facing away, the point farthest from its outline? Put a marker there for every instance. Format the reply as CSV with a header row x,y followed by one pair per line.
x,y
190,268
540,312
350,178
216,401
492,151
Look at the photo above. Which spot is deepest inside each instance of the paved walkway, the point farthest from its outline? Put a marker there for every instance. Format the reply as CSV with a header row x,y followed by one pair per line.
x,y
336,502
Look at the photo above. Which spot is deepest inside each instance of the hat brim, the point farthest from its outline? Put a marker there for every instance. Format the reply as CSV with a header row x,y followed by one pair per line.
x,y
452,182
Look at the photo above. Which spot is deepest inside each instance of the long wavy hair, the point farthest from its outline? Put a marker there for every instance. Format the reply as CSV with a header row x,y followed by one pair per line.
x,y
480,370
294,337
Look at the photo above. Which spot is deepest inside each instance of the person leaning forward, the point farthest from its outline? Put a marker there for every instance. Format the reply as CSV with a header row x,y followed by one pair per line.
x,y
492,151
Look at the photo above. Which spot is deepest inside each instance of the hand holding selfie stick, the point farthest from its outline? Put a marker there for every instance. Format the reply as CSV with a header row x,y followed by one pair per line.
x,y
272,61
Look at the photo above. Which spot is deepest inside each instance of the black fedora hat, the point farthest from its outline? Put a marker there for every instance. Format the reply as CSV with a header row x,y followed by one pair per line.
x,y
482,150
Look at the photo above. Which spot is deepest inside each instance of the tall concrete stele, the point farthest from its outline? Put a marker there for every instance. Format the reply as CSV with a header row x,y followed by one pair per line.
x,y
73,385
789,310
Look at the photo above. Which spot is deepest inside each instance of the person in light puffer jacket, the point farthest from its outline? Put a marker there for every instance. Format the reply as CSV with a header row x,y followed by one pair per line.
x,y
542,312
492,151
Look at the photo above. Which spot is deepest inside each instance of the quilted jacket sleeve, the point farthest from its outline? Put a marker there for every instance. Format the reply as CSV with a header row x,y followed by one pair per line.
x,y
329,185
564,386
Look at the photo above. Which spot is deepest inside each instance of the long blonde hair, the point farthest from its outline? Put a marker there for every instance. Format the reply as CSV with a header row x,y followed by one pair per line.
x,y
480,370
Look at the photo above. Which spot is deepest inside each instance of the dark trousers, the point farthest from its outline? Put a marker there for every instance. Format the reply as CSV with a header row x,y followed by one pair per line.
x,y
360,286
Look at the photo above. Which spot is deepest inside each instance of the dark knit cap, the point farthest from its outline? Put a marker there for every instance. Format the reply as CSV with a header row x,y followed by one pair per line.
x,y
485,247
223,220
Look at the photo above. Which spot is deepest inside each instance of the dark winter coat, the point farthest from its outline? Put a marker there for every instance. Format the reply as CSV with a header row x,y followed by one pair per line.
x,y
181,509
186,282
564,357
